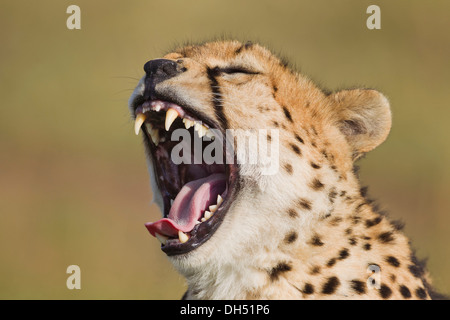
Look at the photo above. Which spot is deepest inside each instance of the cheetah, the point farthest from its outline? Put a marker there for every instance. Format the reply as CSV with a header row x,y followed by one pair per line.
x,y
236,231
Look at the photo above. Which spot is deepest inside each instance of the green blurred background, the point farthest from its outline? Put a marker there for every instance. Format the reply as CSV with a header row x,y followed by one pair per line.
x,y
73,180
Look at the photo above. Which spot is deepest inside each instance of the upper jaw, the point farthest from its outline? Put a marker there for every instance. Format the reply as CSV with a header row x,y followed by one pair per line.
x,y
149,117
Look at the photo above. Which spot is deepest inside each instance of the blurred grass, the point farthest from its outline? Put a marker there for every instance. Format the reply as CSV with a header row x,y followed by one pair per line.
x,y
74,186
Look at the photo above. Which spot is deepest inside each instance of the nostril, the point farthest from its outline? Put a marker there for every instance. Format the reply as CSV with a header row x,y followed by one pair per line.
x,y
161,67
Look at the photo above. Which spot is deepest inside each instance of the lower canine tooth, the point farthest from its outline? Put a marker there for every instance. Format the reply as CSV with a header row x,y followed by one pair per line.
x,y
183,237
154,134
161,238
140,118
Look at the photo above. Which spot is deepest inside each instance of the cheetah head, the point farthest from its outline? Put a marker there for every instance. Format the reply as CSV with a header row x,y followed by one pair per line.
x,y
220,213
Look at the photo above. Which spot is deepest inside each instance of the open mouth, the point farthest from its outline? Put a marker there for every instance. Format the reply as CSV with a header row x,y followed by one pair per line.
x,y
196,193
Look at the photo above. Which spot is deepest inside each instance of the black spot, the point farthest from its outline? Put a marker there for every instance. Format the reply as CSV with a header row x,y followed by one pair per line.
x,y
308,289
315,165
393,277
331,262
332,195
335,221
343,254
280,268
398,225
276,124
305,204
239,50
316,184
352,241
287,114
356,219
291,237
363,191
245,46
315,241
393,261
367,246
331,285
416,271
405,292
373,222
343,193
275,88
386,237
296,149
385,291
421,293
299,139
315,270
292,213
358,286
269,137
288,168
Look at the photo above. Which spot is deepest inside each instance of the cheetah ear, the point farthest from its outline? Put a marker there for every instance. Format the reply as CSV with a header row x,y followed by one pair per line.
x,y
364,117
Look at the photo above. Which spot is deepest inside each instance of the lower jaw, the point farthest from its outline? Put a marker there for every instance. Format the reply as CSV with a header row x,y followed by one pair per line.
x,y
204,231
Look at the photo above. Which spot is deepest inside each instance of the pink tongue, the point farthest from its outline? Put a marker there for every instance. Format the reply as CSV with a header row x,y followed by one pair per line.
x,y
189,205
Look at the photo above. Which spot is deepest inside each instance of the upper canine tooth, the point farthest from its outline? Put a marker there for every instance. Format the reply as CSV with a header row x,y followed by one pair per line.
x,y
183,237
171,115
219,200
140,118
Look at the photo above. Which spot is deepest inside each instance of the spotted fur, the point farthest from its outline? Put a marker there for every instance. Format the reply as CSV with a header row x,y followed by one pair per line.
x,y
308,231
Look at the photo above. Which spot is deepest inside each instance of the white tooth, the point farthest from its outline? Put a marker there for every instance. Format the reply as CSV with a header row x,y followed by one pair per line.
x,y
198,222
203,219
140,118
219,200
154,134
161,238
188,123
171,115
213,208
208,215
157,106
201,129
210,135
183,237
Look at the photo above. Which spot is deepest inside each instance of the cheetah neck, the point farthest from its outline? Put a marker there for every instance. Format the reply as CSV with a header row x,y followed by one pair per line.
x,y
330,256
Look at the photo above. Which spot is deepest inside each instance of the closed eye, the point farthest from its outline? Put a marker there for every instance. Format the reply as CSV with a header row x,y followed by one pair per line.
x,y
235,70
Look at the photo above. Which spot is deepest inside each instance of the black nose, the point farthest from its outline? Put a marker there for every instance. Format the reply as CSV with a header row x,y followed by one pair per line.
x,y
161,68
157,71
